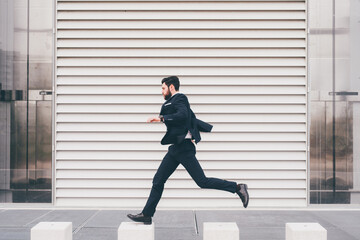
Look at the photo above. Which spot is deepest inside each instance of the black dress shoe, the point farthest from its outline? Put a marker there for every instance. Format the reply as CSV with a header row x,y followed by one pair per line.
x,y
241,190
140,218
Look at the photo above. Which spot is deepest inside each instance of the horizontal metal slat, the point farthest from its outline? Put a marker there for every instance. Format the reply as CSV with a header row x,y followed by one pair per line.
x,y
154,145
185,81
193,98
154,109
181,34
173,52
182,24
190,203
182,174
181,15
176,193
168,71
138,108
206,165
181,5
213,90
156,136
171,183
171,62
228,118
181,43
146,127
201,154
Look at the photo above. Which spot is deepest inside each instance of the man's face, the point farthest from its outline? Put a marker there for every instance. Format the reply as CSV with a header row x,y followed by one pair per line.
x,y
165,91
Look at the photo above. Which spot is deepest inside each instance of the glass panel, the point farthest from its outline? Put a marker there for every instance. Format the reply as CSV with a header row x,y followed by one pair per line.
x,y
355,113
40,79
354,100
13,86
334,57
347,88
25,115
321,83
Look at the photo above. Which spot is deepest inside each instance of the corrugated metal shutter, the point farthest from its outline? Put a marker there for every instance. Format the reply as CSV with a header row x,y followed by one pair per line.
x,y
242,65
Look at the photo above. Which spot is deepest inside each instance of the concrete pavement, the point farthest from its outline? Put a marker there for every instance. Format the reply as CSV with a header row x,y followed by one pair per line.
x,y
259,224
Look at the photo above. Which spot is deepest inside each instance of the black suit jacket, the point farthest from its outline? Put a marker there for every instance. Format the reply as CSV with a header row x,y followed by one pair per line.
x,y
179,119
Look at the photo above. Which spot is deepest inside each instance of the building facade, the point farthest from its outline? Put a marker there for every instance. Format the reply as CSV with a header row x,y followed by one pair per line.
x,y
277,79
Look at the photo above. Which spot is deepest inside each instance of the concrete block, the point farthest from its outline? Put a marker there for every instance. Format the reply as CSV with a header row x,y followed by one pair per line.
x,y
221,230
52,231
136,231
305,231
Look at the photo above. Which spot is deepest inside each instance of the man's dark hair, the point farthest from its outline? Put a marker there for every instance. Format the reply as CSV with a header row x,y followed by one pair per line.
x,y
174,80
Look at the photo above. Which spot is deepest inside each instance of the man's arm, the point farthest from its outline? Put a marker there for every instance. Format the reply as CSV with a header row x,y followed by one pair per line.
x,y
181,114
181,106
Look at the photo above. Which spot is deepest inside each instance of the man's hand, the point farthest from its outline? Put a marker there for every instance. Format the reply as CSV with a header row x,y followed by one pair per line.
x,y
153,119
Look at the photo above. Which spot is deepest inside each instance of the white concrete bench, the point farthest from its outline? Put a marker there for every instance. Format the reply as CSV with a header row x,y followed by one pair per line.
x,y
305,231
52,231
221,230
136,231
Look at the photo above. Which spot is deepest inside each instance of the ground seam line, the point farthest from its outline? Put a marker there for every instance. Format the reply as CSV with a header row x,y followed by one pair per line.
x,y
196,225
85,222
38,218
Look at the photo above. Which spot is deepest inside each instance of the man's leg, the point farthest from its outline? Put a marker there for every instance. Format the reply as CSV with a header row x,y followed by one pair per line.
x,y
191,164
166,168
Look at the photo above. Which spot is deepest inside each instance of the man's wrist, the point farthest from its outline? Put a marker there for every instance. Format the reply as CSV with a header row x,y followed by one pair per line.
x,y
161,118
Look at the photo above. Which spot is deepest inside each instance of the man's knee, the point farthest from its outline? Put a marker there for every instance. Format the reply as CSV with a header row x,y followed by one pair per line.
x,y
202,183
158,180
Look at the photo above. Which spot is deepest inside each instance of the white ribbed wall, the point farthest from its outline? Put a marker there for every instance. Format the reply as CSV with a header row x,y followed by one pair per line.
x,y
242,65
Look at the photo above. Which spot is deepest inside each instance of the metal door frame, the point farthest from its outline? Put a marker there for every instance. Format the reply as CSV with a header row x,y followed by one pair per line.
x,y
53,114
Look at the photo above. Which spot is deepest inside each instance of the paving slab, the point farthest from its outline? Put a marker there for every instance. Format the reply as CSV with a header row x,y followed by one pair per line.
x,y
19,218
339,218
107,219
98,233
340,234
174,219
15,233
346,223
170,233
262,233
77,217
352,231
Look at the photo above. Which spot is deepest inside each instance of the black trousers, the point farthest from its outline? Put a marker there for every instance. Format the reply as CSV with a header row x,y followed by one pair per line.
x,y
183,153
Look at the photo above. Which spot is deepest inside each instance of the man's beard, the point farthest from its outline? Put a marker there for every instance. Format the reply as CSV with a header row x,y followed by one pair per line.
x,y
167,96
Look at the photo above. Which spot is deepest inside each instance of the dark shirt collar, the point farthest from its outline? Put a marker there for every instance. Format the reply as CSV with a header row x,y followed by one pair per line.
x,y
172,96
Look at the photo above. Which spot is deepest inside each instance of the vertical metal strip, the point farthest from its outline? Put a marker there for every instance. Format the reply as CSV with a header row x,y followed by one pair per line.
x,y
308,102
333,106
27,102
53,115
